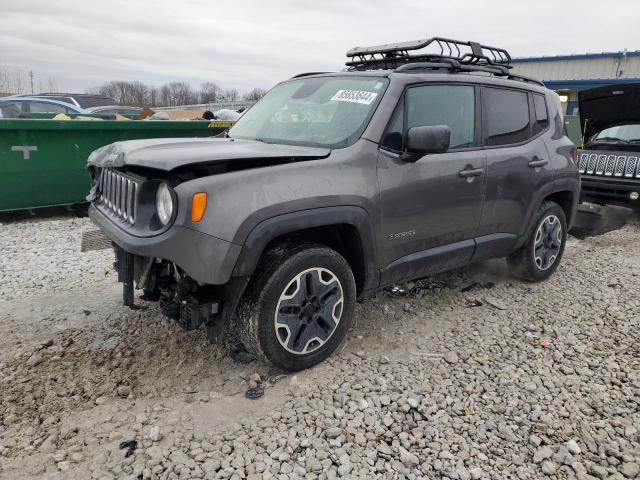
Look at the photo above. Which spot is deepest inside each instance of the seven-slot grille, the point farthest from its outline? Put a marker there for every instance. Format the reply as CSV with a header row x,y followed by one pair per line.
x,y
626,166
118,194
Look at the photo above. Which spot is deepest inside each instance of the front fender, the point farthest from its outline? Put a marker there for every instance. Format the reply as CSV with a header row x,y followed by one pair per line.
x,y
267,230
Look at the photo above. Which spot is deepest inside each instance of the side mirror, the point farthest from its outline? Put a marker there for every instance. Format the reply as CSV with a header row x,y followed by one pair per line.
x,y
426,139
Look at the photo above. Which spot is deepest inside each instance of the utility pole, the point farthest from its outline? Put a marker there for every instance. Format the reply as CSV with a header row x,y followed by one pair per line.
x,y
31,77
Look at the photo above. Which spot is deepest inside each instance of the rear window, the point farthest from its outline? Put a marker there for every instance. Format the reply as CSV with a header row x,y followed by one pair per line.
x,y
87,102
505,115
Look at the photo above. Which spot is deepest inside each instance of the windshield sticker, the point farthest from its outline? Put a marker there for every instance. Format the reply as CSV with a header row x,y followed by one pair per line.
x,y
354,96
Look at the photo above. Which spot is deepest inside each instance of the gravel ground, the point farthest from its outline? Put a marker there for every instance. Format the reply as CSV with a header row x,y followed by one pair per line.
x,y
468,375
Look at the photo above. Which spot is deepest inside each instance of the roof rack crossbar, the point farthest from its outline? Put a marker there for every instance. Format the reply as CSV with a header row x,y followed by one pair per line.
x,y
454,66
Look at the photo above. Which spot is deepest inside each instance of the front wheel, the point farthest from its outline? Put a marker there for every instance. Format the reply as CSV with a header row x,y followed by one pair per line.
x,y
540,256
298,307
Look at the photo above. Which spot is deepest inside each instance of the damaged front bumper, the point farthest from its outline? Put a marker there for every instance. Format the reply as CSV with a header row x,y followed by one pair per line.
x,y
188,272
205,258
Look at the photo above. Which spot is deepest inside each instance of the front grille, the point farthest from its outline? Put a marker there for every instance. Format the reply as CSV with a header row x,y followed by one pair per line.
x,y
118,193
632,162
609,165
591,166
602,162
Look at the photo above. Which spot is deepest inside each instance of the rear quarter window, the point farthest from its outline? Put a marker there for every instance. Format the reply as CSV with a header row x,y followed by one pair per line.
x,y
541,115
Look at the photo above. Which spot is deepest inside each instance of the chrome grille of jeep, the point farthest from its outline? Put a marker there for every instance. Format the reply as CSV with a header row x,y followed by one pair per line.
x,y
632,162
117,193
602,162
609,165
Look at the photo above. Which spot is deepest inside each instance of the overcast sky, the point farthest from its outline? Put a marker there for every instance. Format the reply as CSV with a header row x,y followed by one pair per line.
x,y
253,43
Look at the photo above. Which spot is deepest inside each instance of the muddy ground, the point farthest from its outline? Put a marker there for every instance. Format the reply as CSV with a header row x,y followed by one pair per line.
x,y
471,374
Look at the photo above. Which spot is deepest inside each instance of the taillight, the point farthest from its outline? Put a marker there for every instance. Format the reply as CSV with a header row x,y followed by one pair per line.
x,y
574,155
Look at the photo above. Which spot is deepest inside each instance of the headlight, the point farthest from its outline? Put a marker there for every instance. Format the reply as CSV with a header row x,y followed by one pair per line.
x,y
164,203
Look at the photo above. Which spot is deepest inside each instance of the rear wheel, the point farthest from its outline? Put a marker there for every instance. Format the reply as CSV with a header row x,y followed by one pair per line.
x,y
540,256
298,307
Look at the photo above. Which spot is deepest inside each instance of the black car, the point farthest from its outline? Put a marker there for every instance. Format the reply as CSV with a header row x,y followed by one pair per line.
x,y
337,184
610,155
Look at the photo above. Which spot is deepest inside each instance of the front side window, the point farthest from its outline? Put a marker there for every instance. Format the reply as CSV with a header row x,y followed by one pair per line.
x,y
322,111
451,105
431,105
505,116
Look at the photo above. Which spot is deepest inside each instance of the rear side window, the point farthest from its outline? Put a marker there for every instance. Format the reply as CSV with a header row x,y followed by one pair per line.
x,y
541,115
505,116
35,107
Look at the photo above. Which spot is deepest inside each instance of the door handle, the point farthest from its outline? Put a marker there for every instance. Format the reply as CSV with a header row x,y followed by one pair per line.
x,y
471,173
538,162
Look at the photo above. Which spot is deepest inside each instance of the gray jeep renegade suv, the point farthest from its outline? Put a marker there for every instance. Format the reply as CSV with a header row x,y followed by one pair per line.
x,y
333,185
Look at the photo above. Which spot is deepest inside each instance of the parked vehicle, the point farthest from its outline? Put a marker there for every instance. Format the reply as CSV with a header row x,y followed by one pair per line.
x,y
80,100
610,154
115,109
29,105
9,110
337,184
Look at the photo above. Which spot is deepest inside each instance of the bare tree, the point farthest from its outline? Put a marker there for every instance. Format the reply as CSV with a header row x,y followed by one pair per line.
x,y
136,93
181,93
209,92
231,95
13,80
254,95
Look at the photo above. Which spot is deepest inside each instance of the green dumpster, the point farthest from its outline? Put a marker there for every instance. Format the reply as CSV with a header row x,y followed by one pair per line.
x,y
43,162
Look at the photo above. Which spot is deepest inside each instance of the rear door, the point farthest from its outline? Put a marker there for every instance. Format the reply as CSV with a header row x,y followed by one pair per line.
x,y
431,208
518,163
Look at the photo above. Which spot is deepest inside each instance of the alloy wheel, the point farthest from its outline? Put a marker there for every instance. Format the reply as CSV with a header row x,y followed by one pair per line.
x,y
308,311
547,242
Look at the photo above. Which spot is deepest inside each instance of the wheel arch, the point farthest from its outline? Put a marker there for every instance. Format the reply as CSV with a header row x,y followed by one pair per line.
x,y
567,201
564,195
346,229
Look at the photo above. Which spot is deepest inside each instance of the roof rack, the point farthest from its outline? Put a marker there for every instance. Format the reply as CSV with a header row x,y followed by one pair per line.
x,y
395,54
449,56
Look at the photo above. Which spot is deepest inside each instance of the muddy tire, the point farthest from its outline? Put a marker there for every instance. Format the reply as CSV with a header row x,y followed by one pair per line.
x,y
298,306
540,256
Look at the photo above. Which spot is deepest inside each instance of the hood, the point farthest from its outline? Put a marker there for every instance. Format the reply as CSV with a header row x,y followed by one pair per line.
x,y
172,153
608,106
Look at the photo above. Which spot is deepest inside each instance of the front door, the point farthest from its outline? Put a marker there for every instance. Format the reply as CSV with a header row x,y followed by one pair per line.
x,y
431,208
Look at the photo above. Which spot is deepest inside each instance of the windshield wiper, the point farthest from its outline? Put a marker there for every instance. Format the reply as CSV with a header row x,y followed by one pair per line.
x,y
608,140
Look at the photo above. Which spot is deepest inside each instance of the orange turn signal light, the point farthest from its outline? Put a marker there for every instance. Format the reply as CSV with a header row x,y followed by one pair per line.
x,y
198,206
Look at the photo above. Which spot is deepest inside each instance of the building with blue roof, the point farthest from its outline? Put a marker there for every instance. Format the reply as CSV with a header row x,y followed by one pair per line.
x,y
568,74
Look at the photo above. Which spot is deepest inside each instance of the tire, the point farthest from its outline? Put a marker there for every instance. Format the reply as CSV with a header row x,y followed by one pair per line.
x,y
544,239
289,311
